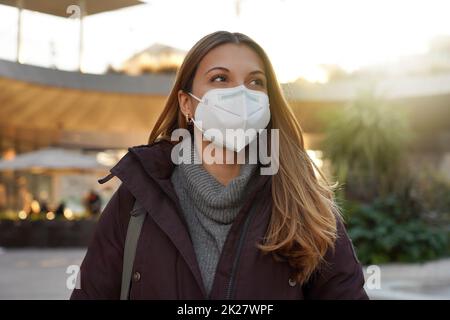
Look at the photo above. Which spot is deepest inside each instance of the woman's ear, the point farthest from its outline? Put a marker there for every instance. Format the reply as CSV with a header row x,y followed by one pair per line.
x,y
185,103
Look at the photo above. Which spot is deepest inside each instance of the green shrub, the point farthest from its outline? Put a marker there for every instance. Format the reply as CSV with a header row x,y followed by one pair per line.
x,y
387,230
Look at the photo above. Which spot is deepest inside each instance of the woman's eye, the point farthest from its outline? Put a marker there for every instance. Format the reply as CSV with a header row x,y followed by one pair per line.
x,y
257,82
218,78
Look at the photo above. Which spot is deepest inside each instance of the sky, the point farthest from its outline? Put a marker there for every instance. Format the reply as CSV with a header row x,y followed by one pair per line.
x,y
298,35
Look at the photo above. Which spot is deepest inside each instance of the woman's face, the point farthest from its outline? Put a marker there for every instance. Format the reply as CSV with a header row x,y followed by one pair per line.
x,y
226,66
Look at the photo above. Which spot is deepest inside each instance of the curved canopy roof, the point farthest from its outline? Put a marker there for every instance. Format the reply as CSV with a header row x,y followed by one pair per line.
x,y
108,110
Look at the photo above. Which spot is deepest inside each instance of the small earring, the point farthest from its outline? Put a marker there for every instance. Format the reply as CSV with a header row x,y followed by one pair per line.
x,y
188,119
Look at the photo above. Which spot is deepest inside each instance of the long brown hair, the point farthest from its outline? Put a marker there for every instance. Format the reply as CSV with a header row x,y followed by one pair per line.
x,y
303,221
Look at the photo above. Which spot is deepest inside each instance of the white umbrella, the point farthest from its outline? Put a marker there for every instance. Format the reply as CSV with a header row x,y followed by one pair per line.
x,y
52,159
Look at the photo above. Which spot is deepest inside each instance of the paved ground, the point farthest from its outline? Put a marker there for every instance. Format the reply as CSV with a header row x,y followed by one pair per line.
x,y
429,280
36,273
41,274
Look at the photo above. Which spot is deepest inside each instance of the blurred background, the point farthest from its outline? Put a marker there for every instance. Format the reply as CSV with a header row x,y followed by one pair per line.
x,y
369,81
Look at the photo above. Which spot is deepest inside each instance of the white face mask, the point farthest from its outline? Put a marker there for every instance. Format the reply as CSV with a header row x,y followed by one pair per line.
x,y
237,108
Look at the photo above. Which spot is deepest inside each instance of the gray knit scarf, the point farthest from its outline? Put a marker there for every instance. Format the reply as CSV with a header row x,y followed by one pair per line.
x,y
209,209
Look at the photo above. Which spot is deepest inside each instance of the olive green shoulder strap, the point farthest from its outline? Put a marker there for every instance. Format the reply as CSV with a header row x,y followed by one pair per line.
x,y
137,217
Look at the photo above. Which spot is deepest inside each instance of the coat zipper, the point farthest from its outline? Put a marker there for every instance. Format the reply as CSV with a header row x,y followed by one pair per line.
x,y
231,282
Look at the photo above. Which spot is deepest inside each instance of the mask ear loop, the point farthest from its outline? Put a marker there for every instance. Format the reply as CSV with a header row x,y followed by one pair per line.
x,y
189,120
195,97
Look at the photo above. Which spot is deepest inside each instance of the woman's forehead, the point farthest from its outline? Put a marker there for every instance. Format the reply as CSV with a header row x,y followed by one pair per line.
x,y
234,57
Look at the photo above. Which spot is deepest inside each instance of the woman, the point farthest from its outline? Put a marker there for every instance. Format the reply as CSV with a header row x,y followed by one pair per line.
x,y
223,230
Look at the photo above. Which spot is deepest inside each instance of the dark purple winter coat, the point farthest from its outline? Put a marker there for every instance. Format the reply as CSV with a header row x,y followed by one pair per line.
x,y
165,266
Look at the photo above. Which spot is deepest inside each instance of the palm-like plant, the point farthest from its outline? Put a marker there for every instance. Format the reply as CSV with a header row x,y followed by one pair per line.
x,y
366,143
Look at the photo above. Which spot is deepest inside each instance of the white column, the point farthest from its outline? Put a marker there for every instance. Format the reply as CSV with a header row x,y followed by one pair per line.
x,y
19,4
82,5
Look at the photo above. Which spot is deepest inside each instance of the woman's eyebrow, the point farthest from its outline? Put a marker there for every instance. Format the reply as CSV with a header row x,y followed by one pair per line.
x,y
227,70
257,71
220,68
